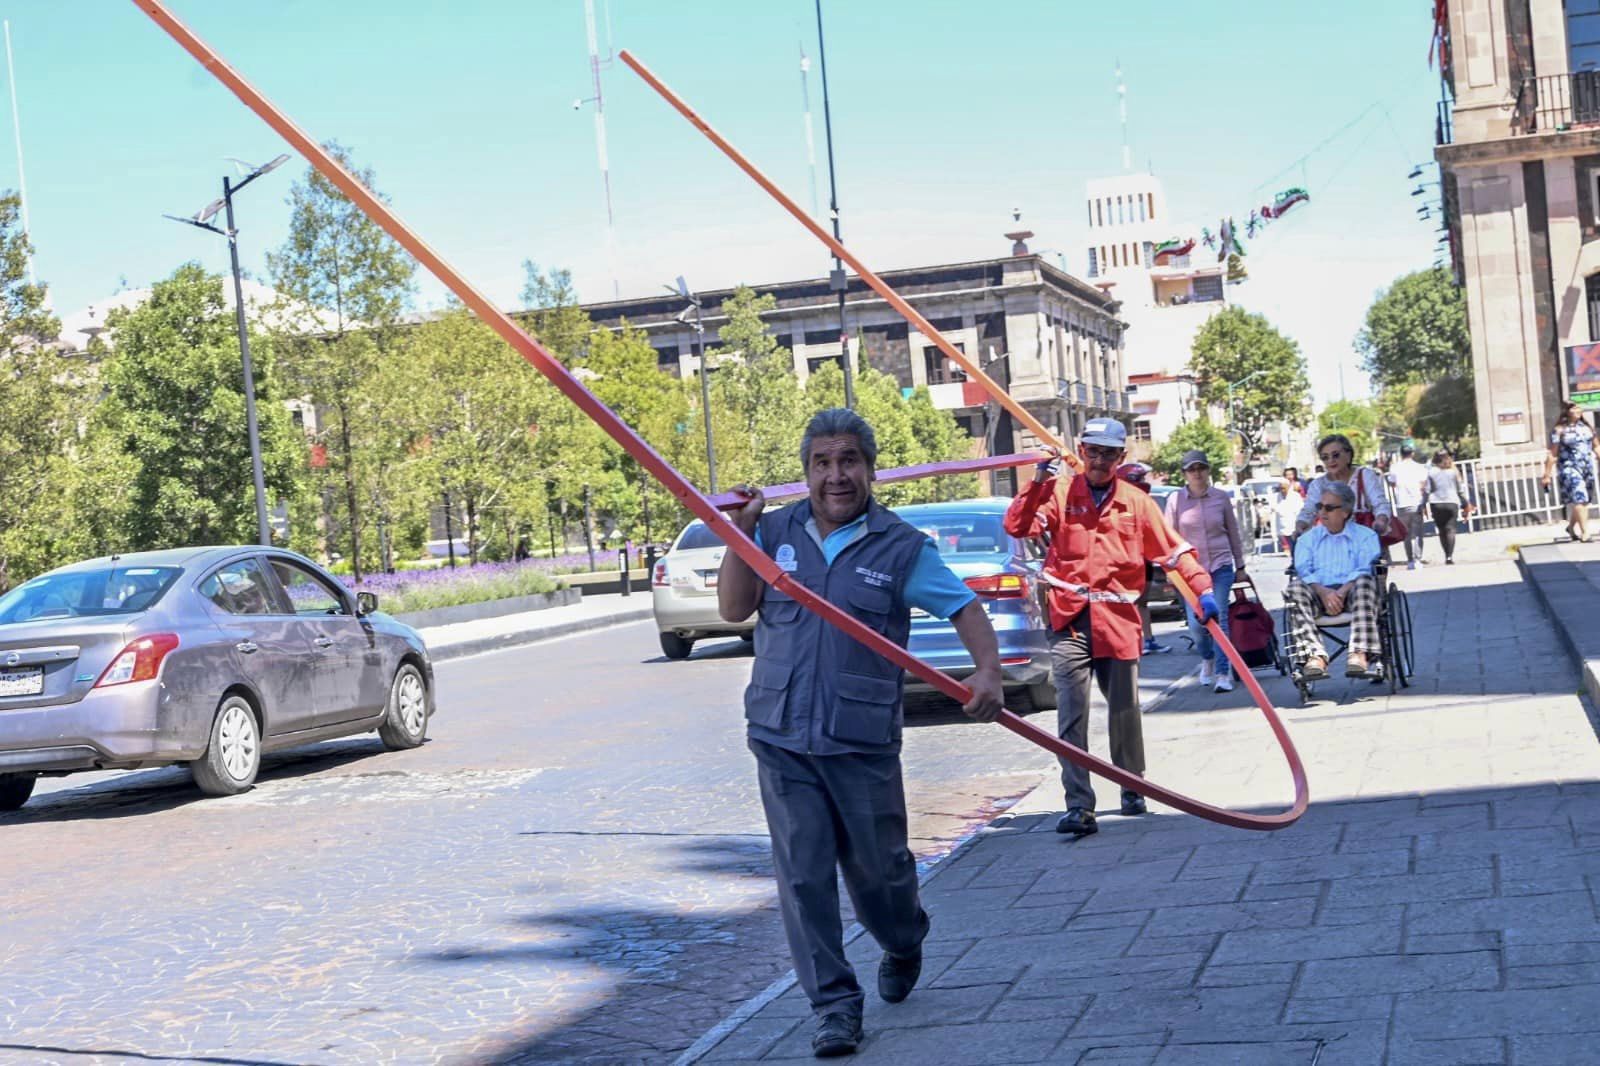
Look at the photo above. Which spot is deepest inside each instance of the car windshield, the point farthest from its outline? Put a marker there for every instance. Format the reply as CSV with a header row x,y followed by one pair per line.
x,y
964,534
698,535
87,593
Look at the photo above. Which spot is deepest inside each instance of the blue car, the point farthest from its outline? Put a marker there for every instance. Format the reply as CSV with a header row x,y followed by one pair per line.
x,y
1004,572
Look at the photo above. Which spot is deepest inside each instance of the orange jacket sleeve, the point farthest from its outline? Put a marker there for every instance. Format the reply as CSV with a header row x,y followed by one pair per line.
x,y
1165,548
1033,512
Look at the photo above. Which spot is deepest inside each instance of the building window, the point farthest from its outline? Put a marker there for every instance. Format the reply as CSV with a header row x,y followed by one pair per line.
x,y
940,370
1094,264
815,363
1141,209
1099,213
1141,429
1592,288
1135,255
1120,216
1151,197
1090,205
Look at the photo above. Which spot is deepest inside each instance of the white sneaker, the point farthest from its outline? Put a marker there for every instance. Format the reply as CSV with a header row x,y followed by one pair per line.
x,y
1208,672
1224,683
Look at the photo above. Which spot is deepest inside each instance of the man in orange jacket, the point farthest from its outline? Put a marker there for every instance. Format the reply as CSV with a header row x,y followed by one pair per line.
x,y
1102,532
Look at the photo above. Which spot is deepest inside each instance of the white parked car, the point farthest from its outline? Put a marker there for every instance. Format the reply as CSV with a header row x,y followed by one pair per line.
x,y
683,592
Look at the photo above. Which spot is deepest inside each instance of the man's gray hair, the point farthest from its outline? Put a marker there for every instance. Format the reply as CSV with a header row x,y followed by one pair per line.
x,y
839,422
1346,494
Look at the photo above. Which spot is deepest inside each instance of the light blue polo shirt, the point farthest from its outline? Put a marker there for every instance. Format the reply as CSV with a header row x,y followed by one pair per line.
x,y
931,586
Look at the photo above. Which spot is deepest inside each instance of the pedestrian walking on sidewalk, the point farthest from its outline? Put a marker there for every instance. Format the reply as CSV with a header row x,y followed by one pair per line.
x,y
1333,573
1446,500
1573,450
1410,481
1102,532
824,714
1336,451
1203,516
1138,475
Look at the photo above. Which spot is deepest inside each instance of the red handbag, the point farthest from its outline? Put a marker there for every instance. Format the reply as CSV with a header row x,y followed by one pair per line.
x,y
1397,528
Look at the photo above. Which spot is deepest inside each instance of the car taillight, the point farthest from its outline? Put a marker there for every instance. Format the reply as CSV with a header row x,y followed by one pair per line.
x,y
659,578
998,586
139,661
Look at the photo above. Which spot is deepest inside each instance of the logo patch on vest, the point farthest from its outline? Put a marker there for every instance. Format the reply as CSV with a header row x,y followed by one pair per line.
x,y
875,579
785,558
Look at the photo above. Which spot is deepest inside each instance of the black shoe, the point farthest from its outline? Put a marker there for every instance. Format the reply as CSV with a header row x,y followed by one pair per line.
x,y
897,975
837,1034
1133,803
1078,822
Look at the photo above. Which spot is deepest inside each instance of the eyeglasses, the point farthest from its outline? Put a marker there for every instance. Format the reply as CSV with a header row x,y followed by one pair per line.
x,y
1095,451
1329,457
1327,507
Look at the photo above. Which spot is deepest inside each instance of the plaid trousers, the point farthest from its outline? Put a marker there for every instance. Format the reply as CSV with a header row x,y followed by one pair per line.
x,y
1305,608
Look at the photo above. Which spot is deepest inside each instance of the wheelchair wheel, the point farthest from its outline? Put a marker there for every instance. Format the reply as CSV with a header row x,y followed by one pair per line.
x,y
1397,634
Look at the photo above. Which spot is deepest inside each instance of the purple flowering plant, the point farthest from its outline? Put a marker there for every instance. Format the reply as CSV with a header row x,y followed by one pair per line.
x,y
421,590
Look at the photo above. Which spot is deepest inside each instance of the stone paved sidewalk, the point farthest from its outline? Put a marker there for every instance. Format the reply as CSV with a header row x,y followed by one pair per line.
x,y
1438,904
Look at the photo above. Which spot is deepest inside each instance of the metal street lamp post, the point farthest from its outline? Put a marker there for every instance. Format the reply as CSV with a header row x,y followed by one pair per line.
x,y
683,290
202,220
836,279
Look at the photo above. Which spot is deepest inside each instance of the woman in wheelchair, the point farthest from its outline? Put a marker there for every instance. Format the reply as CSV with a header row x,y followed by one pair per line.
x,y
1335,572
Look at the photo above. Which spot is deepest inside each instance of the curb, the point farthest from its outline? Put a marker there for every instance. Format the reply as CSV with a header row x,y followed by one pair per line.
x,y
1552,602
478,645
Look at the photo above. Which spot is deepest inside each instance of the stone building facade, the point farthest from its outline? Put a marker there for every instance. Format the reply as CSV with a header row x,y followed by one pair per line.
x,y
1053,340
1519,156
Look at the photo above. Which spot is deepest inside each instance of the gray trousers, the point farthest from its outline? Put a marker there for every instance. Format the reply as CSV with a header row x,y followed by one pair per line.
x,y
845,812
1073,662
1412,517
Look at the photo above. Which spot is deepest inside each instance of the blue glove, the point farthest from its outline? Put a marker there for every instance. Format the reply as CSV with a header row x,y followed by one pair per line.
x,y
1208,608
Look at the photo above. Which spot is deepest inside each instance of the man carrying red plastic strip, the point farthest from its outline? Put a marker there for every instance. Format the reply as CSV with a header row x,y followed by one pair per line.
x,y
1102,533
824,713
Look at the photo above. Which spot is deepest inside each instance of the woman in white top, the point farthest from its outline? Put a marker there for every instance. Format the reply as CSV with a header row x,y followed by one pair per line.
x,y
1337,455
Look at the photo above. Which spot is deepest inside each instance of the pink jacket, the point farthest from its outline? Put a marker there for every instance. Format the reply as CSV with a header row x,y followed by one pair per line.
x,y
1209,524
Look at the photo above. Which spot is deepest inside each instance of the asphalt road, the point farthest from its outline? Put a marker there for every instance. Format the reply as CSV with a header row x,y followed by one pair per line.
x,y
575,867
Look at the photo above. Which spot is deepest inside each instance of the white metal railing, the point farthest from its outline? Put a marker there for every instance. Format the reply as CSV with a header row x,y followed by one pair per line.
x,y
1508,491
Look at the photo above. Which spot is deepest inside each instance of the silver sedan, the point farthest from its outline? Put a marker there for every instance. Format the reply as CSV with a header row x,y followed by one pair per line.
x,y
204,656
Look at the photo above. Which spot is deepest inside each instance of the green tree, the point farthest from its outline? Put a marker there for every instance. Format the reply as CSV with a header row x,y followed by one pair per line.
x,y
1265,367
1417,347
1197,434
1416,330
42,397
346,282
175,405
1356,419
757,405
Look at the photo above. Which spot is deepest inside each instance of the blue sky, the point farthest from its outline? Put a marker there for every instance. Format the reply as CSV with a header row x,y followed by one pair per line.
x,y
946,116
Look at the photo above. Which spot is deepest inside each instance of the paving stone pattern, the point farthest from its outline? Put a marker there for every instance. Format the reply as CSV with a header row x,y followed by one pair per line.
x,y
1437,904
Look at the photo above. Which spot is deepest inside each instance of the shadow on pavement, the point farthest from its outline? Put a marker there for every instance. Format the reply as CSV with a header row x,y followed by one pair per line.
x,y
141,792
668,972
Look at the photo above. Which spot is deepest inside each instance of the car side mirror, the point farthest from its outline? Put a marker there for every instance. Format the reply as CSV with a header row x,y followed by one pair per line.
x,y
366,603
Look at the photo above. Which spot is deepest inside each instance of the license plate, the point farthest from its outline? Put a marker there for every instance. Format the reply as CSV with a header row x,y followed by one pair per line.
x,y
23,681
709,577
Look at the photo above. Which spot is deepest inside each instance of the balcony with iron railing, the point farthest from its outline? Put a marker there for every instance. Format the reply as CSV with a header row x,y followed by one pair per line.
x,y
1556,103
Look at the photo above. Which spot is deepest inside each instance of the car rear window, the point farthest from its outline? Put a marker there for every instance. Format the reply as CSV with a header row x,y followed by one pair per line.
x,y
965,534
88,593
698,535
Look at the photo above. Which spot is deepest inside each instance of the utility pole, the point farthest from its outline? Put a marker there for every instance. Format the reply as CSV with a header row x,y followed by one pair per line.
x,y
836,279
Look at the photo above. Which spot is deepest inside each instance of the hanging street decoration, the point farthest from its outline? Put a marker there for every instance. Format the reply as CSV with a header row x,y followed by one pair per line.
x,y
1225,241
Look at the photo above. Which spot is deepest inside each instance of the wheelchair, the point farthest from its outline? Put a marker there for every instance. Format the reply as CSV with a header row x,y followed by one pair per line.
x,y
1396,660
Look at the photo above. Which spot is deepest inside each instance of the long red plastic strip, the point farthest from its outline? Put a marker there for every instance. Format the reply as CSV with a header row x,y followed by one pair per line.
x,y
732,501
1023,415
743,546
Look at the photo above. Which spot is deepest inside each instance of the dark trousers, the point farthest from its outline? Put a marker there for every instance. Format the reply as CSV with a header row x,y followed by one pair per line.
x,y
844,812
1444,517
1073,662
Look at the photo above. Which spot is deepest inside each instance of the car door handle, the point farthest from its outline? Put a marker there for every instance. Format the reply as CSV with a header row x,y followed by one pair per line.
x,y
323,642
247,646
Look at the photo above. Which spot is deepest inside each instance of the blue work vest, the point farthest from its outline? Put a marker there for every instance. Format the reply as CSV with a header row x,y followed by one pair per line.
x,y
812,688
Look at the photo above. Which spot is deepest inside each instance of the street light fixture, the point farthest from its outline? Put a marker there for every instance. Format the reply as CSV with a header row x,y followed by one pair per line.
x,y
201,219
693,311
